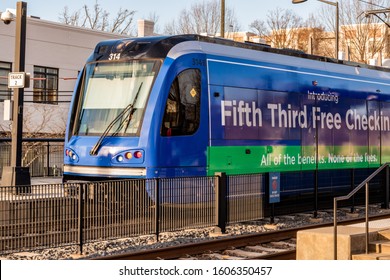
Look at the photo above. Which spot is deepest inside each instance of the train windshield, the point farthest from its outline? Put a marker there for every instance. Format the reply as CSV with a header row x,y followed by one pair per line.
x,y
113,97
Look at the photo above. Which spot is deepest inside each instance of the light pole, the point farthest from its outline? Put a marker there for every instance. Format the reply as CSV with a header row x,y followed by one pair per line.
x,y
376,12
16,175
335,4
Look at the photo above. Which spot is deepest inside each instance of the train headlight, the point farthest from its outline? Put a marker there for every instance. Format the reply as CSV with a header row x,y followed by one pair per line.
x,y
129,157
138,154
71,155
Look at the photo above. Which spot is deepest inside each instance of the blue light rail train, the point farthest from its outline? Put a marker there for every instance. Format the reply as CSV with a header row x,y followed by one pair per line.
x,y
190,105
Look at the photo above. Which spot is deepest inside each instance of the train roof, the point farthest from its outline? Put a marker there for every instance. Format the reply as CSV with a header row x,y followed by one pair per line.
x,y
159,46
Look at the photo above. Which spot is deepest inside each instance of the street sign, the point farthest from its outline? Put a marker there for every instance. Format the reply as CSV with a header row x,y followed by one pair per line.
x,y
16,80
274,187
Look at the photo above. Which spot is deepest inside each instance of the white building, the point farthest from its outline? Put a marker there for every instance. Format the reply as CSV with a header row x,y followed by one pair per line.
x,y
55,53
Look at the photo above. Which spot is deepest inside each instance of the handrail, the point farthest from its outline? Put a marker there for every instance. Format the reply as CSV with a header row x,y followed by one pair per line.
x,y
7,139
348,196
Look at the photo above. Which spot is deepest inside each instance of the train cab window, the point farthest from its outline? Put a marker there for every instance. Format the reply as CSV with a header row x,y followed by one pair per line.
x,y
182,109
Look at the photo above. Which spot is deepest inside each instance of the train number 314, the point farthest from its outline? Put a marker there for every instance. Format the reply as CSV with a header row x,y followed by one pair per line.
x,y
114,56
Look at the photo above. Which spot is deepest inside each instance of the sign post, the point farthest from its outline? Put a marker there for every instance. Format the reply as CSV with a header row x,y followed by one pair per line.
x,y
274,187
15,175
274,191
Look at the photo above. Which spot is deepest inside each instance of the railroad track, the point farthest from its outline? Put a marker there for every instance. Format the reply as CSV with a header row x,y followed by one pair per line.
x,y
272,245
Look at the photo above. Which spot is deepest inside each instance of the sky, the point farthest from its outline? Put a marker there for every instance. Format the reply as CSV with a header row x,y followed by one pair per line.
x,y
246,11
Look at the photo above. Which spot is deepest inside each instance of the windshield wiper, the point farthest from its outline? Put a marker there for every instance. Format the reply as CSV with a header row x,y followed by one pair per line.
x,y
95,148
124,124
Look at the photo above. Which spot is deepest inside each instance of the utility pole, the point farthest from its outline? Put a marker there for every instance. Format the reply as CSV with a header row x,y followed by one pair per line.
x,y
223,18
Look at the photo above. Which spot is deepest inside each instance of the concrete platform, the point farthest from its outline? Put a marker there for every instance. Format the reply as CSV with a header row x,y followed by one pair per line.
x,y
45,180
371,256
317,244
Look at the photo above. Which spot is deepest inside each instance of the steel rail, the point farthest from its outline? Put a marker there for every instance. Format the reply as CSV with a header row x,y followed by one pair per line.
x,y
197,248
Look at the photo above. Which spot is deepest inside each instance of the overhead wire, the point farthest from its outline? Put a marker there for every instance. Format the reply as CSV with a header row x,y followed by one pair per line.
x,y
370,3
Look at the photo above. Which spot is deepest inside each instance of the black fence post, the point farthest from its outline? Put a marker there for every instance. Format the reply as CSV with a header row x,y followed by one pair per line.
x,y
352,188
268,195
315,192
157,210
48,158
387,188
221,201
82,188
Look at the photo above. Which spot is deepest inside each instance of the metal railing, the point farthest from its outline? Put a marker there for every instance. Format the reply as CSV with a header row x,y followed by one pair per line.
x,y
44,156
185,203
245,195
365,184
45,216
41,96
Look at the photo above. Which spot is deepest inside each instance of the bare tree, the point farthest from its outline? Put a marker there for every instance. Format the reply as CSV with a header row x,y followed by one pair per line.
x,y
281,29
364,36
202,17
70,19
40,121
170,28
99,19
311,38
155,18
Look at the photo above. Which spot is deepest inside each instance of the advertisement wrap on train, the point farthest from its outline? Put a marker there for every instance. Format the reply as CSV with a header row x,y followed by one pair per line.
x,y
321,128
282,117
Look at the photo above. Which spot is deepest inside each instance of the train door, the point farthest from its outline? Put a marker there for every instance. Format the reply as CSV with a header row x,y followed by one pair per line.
x,y
184,127
384,124
374,134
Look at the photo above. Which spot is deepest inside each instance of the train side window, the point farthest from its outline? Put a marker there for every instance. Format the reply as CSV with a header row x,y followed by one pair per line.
x,y
182,109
